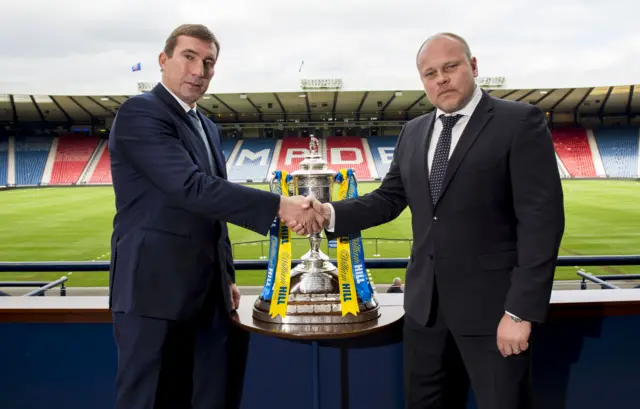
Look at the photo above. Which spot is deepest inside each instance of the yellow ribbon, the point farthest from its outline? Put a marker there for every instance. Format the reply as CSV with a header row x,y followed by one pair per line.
x,y
348,295
280,297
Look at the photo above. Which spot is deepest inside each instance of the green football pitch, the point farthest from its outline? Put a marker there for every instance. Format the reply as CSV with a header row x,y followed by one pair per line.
x,y
74,224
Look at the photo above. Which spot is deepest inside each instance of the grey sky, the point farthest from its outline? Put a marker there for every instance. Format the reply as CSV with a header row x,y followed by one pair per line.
x,y
88,47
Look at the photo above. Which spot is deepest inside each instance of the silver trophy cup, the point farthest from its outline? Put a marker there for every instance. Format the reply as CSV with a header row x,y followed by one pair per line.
x,y
314,296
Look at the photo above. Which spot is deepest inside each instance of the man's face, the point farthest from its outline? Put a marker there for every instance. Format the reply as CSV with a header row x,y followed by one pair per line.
x,y
189,70
447,74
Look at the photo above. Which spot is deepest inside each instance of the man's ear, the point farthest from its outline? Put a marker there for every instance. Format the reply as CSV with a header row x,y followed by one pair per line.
x,y
162,60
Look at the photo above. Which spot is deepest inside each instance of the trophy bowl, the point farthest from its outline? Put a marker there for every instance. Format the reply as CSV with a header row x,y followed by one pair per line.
x,y
314,296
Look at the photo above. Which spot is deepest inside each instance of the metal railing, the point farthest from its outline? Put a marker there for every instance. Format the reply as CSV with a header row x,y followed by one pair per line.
x,y
40,291
603,280
372,263
21,284
594,279
43,286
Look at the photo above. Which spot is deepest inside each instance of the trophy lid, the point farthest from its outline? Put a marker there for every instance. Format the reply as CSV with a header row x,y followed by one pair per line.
x,y
313,164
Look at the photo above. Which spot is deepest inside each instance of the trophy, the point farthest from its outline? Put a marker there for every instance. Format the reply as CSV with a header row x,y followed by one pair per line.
x,y
315,296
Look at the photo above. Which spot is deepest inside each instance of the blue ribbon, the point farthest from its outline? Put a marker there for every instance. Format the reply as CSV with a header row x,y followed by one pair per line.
x,y
274,242
360,277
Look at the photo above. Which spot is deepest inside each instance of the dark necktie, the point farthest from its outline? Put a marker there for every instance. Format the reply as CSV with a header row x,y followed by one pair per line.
x,y
203,135
441,156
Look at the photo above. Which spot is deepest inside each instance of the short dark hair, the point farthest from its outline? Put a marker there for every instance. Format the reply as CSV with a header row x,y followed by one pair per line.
x,y
452,36
198,31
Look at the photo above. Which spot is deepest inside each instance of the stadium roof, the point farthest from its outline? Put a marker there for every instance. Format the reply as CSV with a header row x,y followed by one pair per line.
x,y
320,105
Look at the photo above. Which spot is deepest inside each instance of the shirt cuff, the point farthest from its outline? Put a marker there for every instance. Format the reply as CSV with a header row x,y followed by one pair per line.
x,y
513,315
332,221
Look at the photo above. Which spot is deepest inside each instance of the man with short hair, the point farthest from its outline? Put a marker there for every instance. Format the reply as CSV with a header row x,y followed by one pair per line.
x,y
396,286
172,280
480,177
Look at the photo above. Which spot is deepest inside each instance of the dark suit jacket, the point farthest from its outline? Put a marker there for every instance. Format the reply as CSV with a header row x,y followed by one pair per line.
x,y
170,229
492,240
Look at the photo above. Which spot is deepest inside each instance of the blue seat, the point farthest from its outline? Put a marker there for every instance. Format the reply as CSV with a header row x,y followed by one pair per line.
x,y
4,161
619,151
253,160
382,148
31,157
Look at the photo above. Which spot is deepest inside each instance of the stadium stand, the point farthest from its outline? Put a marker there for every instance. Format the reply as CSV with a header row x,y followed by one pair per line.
x,y
619,151
227,147
347,152
4,160
252,161
572,147
382,148
616,149
31,157
72,156
102,172
292,152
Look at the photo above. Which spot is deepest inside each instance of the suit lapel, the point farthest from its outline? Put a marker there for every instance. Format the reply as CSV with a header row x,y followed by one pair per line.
x,y
476,124
426,130
214,141
193,140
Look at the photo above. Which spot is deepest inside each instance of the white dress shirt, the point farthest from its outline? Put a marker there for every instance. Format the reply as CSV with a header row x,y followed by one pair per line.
x,y
456,133
183,104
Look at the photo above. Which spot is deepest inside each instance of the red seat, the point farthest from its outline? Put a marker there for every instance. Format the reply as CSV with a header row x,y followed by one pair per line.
x,y
572,147
72,156
347,152
102,171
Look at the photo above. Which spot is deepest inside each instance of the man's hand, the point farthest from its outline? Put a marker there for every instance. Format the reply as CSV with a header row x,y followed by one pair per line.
x,y
235,296
317,218
299,214
513,337
293,208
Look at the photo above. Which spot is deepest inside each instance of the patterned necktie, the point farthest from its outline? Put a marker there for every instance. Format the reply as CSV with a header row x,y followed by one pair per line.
x,y
441,156
203,135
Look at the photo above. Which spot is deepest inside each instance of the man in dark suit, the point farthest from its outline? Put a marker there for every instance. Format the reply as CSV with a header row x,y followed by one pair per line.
x,y
480,177
172,277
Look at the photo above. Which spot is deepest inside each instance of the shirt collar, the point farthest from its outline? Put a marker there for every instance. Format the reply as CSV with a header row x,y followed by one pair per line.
x,y
468,109
183,104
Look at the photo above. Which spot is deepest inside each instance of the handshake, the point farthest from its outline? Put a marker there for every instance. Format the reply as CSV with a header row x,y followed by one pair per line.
x,y
304,215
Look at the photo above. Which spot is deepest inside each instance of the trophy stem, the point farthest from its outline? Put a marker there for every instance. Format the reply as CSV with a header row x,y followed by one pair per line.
x,y
314,243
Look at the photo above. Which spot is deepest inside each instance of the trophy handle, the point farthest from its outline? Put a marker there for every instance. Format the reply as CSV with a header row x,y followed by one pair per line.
x,y
272,183
290,186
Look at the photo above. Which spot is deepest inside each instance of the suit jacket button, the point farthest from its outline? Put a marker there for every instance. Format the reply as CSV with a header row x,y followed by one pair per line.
x,y
435,218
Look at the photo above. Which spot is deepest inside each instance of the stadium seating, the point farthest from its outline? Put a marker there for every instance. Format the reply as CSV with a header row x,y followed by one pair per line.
x,y
348,152
382,148
292,153
31,157
572,147
253,160
4,161
227,147
618,148
72,156
619,151
102,171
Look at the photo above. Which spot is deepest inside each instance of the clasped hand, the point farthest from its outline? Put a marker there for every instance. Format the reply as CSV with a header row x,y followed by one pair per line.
x,y
304,215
